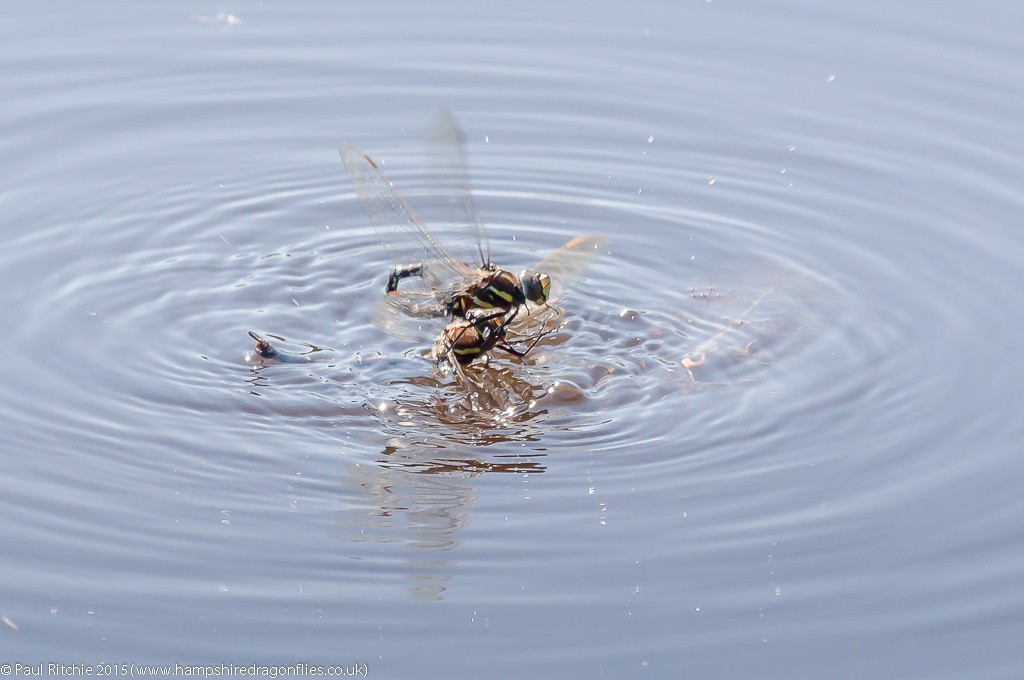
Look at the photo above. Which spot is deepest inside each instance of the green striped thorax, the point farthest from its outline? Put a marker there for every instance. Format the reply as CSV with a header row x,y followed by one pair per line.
x,y
501,289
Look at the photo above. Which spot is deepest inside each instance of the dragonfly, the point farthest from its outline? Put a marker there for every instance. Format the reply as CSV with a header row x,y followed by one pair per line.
x,y
466,340
449,285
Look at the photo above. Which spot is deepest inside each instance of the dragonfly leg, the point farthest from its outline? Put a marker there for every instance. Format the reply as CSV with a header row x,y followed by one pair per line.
x,y
450,351
403,271
479,321
523,352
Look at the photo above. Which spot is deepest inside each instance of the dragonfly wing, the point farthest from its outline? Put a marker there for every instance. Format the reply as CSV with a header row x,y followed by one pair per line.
x,y
567,264
532,320
403,235
450,184
412,316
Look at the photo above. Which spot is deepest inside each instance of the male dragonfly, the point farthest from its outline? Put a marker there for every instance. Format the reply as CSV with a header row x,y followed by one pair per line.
x,y
452,287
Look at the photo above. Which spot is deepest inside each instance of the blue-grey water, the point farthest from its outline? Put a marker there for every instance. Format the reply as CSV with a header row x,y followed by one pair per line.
x,y
777,437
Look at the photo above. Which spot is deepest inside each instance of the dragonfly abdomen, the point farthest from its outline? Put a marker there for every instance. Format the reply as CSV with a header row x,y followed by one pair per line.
x,y
403,271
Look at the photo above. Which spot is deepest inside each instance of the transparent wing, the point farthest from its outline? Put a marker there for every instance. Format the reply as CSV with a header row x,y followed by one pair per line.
x,y
404,236
450,184
412,316
567,264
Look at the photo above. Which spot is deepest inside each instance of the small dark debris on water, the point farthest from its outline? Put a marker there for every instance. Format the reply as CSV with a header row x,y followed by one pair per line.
x,y
268,352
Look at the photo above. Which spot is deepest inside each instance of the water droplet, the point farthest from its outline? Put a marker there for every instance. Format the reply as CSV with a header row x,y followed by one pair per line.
x,y
565,392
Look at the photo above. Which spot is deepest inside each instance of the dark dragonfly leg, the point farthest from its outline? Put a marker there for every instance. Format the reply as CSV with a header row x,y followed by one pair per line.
x,y
488,337
403,271
509,318
463,355
507,347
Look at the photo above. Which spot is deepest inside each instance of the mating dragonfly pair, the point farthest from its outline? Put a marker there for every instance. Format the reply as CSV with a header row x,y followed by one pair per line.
x,y
488,307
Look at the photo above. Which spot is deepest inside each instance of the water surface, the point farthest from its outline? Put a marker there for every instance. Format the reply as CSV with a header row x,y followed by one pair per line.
x,y
774,438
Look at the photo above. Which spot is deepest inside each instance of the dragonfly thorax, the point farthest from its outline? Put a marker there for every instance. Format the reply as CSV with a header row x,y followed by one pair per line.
x,y
496,289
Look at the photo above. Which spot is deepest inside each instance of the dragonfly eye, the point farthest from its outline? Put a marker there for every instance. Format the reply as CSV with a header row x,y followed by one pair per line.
x,y
536,287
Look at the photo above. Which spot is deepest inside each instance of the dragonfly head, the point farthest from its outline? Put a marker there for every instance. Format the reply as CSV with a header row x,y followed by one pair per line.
x,y
536,287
